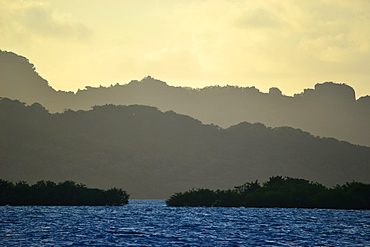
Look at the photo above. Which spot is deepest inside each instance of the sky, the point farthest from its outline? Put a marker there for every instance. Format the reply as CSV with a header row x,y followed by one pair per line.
x,y
288,44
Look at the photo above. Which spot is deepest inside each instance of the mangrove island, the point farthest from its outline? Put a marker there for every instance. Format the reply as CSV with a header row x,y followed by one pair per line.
x,y
278,191
67,193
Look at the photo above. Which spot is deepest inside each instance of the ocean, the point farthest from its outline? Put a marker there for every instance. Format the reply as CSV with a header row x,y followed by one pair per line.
x,y
152,223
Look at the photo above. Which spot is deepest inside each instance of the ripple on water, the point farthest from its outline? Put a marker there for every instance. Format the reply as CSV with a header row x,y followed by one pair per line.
x,y
151,223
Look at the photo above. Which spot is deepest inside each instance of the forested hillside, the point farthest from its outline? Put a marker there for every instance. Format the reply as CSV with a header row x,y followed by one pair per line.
x,y
153,154
328,110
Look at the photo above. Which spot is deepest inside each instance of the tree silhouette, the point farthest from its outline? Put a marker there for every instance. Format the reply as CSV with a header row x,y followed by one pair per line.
x,y
279,191
48,193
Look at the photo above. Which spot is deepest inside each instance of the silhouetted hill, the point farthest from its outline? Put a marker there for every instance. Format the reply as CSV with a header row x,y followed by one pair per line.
x,y
328,110
153,154
19,80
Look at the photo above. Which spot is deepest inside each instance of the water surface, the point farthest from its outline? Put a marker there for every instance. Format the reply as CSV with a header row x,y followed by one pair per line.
x,y
152,223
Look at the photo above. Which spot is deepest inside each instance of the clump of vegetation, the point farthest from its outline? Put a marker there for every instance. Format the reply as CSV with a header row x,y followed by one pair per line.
x,y
279,191
68,193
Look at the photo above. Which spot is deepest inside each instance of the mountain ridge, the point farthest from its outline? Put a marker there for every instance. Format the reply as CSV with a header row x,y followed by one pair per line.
x,y
327,110
152,154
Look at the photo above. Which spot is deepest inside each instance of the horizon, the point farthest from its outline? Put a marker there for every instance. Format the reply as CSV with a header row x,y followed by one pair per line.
x,y
289,45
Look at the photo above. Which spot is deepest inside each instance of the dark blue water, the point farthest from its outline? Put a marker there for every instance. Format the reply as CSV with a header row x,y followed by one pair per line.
x,y
151,223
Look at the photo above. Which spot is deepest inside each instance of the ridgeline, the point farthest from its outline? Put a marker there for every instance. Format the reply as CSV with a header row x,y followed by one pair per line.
x,y
327,110
153,154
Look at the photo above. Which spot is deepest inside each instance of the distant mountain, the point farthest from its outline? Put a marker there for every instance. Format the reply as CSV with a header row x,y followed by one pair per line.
x,y
328,110
152,154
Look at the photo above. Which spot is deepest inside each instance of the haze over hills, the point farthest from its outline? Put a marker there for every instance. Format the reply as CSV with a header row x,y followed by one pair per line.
x,y
328,110
152,154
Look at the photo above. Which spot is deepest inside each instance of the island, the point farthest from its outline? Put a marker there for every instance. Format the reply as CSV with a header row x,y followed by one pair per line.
x,y
67,193
278,191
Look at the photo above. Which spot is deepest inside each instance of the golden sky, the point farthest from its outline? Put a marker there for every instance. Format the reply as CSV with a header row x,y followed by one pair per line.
x,y
289,44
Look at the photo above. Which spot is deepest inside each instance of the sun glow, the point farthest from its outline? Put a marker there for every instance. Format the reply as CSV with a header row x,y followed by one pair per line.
x,y
287,44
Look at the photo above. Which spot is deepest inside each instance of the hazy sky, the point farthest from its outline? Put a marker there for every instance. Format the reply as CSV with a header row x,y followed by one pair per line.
x,y
289,44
